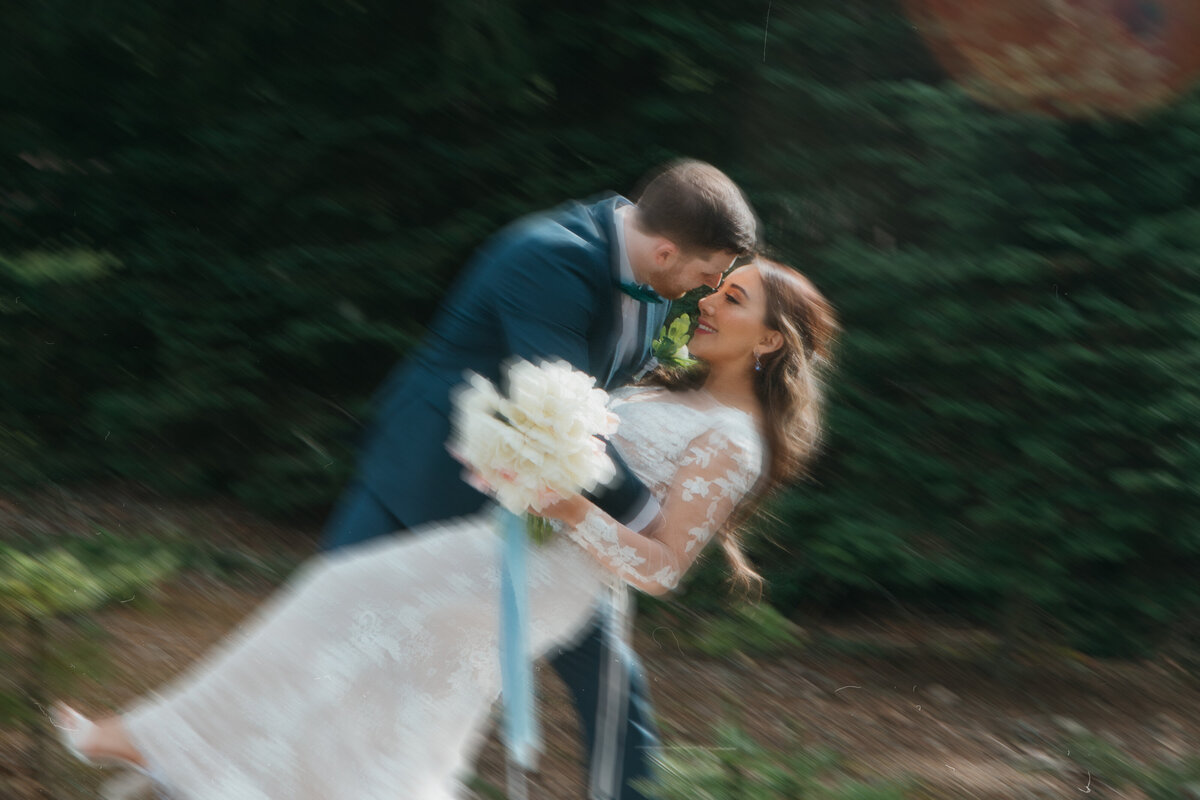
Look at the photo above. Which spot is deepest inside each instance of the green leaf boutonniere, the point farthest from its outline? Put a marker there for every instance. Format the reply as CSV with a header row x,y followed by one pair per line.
x,y
670,348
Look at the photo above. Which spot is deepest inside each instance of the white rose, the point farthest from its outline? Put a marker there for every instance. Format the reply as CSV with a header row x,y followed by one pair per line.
x,y
538,442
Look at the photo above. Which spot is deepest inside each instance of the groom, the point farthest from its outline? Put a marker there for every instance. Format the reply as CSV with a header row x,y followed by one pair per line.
x,y
587,283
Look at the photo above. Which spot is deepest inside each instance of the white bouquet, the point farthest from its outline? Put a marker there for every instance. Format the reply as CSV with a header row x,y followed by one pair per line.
x,y
540,442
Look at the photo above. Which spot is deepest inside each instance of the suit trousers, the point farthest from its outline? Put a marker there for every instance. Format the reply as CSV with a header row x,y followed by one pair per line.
x,y
604,676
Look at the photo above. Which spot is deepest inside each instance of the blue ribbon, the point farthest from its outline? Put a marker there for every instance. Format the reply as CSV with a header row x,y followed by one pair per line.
x,y
516,670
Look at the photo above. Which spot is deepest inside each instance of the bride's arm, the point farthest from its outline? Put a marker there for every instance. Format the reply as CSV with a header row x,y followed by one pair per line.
x,y
713,476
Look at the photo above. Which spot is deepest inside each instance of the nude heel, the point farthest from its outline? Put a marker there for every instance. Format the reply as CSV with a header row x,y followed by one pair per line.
x,y
75,730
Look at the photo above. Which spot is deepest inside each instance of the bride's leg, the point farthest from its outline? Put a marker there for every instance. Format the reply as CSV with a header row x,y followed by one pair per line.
x,y
350,682
101,741
110,740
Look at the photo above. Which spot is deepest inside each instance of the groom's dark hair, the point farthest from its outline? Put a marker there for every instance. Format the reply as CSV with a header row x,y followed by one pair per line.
x,y
697,207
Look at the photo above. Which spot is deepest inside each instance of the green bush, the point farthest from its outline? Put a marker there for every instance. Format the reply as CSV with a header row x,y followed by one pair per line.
x,y
45,600
752,629
736,767
222,227
1104,763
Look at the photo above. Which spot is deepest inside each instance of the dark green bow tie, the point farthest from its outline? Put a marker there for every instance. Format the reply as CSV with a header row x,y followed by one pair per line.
x,y
641,293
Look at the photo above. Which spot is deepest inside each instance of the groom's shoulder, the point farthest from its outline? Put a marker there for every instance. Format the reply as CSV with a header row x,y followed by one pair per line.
x,y
583,220
577,228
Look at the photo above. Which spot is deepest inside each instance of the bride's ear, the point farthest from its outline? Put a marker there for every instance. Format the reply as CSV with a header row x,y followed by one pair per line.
x,y
770,342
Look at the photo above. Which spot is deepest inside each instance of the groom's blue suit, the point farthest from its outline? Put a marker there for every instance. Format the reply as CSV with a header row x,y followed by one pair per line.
x,y
544,287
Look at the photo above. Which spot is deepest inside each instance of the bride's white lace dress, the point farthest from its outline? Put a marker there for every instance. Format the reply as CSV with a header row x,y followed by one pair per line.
x,y
372,674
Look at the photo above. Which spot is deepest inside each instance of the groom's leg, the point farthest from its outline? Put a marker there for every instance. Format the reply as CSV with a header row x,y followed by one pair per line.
x,y
643,741
358,516
611,696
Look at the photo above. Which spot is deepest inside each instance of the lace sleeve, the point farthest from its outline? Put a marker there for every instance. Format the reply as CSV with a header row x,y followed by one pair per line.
x,y
715,473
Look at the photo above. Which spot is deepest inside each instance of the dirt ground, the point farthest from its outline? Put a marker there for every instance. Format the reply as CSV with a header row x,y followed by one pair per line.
x,y
922,702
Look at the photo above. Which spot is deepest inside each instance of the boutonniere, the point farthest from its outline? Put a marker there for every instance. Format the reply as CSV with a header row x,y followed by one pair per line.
x,y
670,346
641,293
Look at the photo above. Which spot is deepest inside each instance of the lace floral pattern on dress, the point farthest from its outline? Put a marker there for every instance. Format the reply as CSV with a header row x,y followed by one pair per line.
x,y
698,461
372,674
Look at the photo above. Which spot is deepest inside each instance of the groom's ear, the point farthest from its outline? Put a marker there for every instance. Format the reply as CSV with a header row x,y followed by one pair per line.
x,y
665,252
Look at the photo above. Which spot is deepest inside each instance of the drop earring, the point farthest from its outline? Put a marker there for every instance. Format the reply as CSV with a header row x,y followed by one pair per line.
x,y
757,363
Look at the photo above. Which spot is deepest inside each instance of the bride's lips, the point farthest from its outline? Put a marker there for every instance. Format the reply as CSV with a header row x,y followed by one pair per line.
x,y
704,327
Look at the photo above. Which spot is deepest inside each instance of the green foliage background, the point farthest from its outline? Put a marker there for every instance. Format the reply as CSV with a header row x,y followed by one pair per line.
x,y
220,224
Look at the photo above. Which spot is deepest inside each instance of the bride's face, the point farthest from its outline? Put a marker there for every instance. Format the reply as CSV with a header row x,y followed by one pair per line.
x,y
731,325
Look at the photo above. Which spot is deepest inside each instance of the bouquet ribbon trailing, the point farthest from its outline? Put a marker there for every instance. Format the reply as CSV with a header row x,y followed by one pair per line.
x,y
526,449
521,733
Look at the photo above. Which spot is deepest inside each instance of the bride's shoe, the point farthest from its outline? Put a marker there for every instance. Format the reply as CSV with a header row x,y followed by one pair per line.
x,y
75,731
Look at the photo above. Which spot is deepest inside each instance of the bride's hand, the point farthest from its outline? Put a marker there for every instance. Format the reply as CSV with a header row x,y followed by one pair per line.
x,y
571,509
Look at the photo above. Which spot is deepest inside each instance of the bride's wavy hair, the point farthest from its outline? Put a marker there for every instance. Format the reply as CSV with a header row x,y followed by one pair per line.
x,y
790,387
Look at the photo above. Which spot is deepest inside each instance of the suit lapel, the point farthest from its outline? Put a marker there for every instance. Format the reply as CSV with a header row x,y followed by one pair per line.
x,y
609,370
653,315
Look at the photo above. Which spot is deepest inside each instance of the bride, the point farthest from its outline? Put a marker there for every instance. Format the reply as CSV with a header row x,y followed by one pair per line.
x,y
371,674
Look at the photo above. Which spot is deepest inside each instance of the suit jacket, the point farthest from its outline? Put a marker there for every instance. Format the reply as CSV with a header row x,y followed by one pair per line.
x,y
543,287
